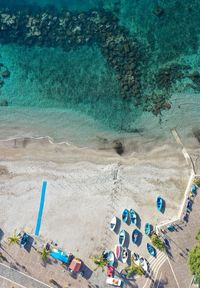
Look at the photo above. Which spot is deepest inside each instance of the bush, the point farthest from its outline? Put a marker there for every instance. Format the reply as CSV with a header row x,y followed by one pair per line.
x,y
194,263
196,181
194,260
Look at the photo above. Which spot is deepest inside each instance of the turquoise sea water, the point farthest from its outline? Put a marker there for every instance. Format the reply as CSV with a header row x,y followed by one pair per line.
x,y
75,95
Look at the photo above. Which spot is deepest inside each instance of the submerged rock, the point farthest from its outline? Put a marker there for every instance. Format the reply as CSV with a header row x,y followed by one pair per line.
x,y
3,102
6,73
118,146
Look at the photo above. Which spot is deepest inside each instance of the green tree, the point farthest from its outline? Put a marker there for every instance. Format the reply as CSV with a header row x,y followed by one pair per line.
x,y
13,239
44,254
194,260
100,261
157,242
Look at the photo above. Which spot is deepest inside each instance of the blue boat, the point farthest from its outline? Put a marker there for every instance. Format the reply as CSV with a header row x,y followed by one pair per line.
x,y
24,240
125,215
122,237
151,250
147,229
159,203
135,236
133,217
111,258
193,188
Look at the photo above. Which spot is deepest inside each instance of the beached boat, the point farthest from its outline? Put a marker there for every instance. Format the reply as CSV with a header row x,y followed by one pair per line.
x,y
118,249
24,240
125,215
135,236
147,229
124,254
151,250
113,223
159,203
136,258
133,217
193,188
122,237
111,258
110,271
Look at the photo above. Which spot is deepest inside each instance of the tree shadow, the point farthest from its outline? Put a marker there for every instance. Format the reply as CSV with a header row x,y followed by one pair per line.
x,y
160,283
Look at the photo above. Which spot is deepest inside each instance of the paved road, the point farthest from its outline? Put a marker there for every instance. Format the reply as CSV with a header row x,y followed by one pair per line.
x,y
20,278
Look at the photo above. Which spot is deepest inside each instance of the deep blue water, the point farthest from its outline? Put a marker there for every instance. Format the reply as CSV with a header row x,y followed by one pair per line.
x,y
83,81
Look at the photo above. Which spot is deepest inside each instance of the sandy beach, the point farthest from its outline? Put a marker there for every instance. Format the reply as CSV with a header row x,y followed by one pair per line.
x,y
85,189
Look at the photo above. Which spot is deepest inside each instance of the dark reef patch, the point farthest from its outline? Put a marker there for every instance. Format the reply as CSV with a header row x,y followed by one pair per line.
x,y
70,30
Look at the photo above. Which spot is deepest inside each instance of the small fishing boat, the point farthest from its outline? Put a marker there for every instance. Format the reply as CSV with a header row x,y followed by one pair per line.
x,y
193,188
124,255
118,249
113,223
122,237
159,203
110,258
135,236
125,215
133,217
24,240
151,250
147,229
136,258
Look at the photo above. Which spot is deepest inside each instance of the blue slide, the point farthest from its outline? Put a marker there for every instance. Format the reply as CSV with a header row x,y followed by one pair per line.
x,y
42,199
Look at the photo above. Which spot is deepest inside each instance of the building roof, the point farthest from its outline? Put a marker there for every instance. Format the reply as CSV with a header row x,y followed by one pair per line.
x,y
75,265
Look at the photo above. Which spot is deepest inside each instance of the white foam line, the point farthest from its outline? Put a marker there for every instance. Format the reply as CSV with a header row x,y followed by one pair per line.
x,y
173,273
25,275
50,140
13,282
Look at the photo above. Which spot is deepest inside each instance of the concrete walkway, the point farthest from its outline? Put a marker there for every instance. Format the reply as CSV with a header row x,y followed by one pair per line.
x,y
19,278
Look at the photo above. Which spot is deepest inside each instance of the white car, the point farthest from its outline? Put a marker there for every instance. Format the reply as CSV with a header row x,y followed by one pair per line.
x,y
115,282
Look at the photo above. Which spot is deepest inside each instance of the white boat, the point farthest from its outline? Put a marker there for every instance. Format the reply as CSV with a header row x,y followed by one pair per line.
x,y
114,282
113,223
144,263
136,258
124,254
118,250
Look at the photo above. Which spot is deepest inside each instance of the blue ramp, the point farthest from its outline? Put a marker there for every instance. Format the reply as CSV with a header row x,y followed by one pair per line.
x,y
40,212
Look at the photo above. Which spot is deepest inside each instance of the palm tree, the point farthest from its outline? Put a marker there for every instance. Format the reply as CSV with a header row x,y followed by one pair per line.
x,y
100,261
134,269
13,239
44,254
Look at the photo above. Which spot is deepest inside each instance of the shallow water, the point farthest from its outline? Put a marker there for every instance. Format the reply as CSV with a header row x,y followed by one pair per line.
x,y
75,95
